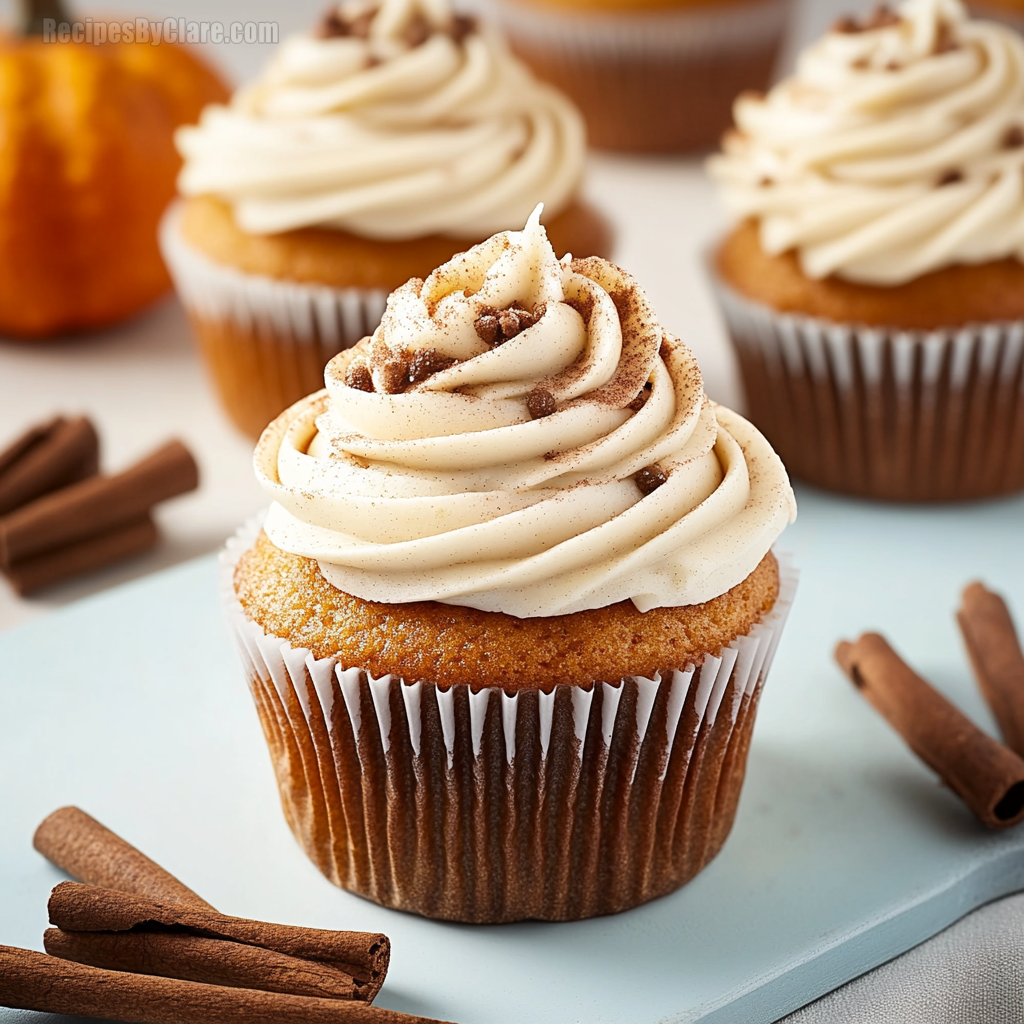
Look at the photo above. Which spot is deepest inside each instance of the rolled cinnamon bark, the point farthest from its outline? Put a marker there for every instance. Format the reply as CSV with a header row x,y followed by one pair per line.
x,y
996,657
987,776
97,505
211,961
64,563
84,908
45,458
81,846
35,981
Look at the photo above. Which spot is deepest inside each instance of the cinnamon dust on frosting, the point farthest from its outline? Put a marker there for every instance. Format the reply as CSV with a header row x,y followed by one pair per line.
x,y
524,476
891,152
395,120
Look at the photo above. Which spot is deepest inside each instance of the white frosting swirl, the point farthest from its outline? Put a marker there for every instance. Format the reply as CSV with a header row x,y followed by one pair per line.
x,y
894,150
387,136
451,491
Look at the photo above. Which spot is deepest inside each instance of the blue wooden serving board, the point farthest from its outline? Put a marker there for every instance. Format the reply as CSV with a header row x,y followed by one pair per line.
x,y
846,851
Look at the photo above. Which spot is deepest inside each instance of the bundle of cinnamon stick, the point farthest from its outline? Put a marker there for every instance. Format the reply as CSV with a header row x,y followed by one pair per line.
x,y
60,517
986,774
132,943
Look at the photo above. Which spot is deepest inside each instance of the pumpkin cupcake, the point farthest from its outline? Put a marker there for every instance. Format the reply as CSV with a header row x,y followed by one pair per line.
x,y
874,287
508,619
650,75
369,152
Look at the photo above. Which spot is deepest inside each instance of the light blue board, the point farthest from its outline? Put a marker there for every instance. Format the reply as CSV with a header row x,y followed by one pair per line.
x,y
846,851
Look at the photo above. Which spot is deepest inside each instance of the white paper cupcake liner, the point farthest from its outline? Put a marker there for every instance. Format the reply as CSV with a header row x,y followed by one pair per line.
x,y
486,807
903,415
266,341
652,80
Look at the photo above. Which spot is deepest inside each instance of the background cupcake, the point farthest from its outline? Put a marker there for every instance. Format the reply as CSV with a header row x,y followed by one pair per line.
x,y
1009,11
650,75
874,288
368,153
515,600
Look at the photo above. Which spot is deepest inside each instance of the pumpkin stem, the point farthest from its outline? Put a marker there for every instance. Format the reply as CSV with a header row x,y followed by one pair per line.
x,y
34,11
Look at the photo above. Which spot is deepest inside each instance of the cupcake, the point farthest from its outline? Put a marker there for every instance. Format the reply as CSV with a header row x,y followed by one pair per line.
x,y
874,287
649,75
368,153
508,618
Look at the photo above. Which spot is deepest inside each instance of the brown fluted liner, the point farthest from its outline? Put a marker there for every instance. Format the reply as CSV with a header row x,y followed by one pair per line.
x,y
652,82
882,412
416,798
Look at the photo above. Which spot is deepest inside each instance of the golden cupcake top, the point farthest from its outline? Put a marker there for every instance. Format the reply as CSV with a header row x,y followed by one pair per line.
x,y
521,435
896,149
392,120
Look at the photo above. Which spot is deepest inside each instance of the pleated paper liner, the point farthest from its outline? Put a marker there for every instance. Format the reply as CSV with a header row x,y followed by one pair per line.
x,y
265,341
651,81
880,412
485,807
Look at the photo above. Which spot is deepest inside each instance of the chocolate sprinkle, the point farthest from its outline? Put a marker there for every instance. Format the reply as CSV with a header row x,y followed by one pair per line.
x,y
950,177
462,25
358,376
650,478
498,326
417,31
1013,137
540,403
425,362
394,376
333,26
883,16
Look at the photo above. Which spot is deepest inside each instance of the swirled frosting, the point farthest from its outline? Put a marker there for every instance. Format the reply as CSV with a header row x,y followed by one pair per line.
x,y
407,121
896,149
520,435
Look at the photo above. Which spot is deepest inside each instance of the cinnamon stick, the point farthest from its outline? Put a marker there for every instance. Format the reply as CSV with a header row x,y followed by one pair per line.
x,y
81,846
996,657
85,908
45,458
987,776
97,505
35,981
194,958
64,563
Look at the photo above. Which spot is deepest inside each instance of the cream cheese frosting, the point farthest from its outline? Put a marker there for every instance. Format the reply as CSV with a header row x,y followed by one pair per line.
x,y
520,435
405,121
896,149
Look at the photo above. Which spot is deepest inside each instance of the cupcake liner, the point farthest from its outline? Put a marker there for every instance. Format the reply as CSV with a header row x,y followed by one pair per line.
x,y
880,412
266,341
489,807
652,81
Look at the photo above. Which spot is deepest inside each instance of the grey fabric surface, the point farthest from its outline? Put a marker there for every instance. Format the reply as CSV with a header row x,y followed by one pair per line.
x,y
972,973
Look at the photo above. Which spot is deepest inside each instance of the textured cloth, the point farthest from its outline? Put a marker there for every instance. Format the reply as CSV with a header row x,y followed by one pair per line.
x,y
972,973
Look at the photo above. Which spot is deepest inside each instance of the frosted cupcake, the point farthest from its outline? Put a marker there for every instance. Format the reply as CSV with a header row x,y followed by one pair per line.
x,y
510,614
650,75
874,288
369,152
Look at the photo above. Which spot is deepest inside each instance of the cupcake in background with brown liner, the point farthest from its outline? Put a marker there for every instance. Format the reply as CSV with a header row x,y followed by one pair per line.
x,y
368,153
650,75
508,619
874,287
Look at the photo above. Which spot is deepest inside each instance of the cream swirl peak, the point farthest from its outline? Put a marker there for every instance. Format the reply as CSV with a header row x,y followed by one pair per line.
x,y
896,149
520,435
395,121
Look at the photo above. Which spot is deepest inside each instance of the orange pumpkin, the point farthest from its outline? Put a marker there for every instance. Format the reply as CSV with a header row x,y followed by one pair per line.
x,y
87,167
